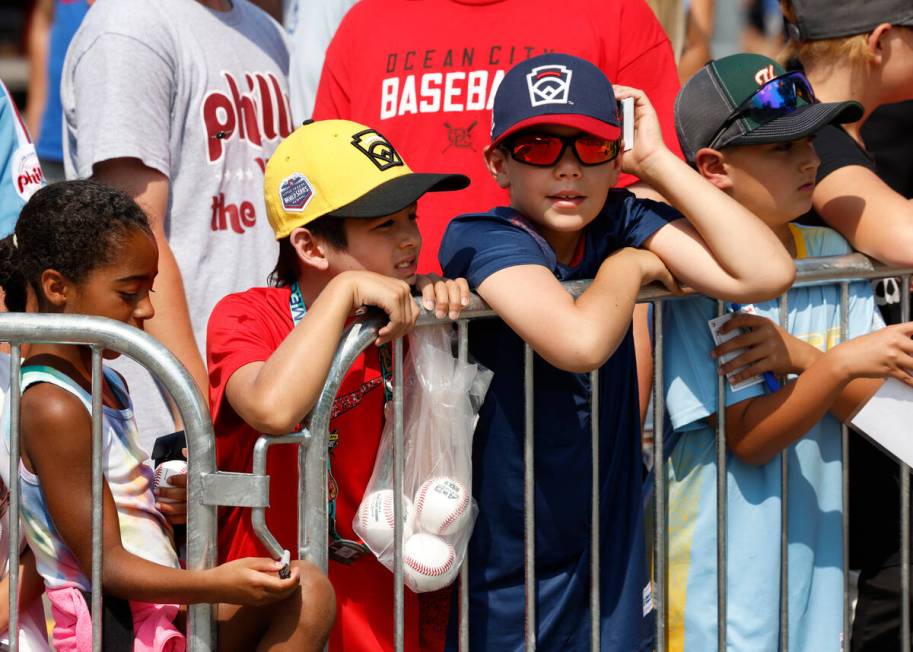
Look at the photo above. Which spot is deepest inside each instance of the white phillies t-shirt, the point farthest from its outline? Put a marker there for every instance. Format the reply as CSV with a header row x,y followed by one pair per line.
x,y
202,97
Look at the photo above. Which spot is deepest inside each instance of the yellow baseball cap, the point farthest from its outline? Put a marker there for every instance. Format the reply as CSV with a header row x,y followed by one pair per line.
x,y
343,169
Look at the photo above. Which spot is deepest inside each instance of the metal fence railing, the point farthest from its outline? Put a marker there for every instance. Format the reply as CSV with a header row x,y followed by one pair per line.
x,y
208,488
313,499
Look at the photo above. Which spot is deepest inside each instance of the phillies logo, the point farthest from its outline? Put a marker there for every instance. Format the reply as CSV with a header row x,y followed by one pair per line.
x,y
262,113
377,148
25,171
764,75
549,84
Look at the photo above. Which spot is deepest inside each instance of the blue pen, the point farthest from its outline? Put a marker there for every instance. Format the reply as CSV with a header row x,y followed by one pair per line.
x,y
773,385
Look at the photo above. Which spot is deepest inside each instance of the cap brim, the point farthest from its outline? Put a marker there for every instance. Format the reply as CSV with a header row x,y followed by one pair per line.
x,y
800,123
396,194
581,122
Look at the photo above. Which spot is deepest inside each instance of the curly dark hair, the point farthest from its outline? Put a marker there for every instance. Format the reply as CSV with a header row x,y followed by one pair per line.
x,y
73,227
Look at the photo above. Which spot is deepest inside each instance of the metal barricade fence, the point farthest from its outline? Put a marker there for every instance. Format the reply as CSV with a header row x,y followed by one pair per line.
x,y
206,488
313,465
209,488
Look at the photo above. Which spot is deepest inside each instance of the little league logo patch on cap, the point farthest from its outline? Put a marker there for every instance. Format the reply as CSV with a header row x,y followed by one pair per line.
x,y
295,192
377,148
549,84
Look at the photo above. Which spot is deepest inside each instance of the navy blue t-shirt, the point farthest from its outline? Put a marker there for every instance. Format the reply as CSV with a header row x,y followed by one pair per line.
x,y
475,247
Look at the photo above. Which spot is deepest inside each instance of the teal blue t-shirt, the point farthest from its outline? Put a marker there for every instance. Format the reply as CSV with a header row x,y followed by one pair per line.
x,y
815,494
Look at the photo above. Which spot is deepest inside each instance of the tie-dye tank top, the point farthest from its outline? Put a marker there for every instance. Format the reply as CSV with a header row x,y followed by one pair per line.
x,y
143,530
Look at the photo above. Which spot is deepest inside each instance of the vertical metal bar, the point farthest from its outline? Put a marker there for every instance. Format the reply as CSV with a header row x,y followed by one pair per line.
x,y
304,506
594,514
845,472
15,403
721,524
529,500
97,451
784,515
660,556
398,612
905,507
463,355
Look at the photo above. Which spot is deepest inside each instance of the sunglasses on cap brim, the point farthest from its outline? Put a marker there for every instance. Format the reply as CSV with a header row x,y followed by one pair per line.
x,y
545,150
778,97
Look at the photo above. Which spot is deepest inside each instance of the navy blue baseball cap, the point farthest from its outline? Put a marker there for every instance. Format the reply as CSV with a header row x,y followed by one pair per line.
x,y
555,89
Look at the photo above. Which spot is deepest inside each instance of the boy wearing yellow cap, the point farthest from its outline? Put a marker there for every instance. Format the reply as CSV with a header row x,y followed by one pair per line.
x,y
342,203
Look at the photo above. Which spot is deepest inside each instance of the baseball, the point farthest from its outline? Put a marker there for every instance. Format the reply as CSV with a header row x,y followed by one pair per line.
x,y
429,563
374,520
167,469
442,506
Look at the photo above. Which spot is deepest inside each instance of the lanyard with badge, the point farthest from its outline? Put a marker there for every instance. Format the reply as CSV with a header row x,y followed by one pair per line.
x,y
340,549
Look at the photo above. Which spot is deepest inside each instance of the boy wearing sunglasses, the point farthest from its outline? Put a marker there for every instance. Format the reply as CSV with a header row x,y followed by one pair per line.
x,y
555,147
747,127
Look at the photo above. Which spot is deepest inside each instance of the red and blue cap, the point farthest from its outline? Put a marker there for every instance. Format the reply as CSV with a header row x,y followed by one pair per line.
x,y
555,89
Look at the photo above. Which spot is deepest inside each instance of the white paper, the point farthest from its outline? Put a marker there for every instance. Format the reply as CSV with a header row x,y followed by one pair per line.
x,y
886,419
715,324
627,122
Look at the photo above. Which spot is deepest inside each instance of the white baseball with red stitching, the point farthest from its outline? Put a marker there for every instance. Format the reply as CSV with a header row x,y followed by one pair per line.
x,y
442,506
376,522
429,563
167,469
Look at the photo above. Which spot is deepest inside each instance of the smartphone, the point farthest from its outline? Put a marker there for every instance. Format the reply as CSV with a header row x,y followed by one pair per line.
x,y
627,123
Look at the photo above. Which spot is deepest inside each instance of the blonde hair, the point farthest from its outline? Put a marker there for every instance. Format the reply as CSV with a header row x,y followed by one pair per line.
x,y
853,50
671,17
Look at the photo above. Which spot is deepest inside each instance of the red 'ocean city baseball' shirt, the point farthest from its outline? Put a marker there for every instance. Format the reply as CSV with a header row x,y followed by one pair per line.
x,y
248,327
424,74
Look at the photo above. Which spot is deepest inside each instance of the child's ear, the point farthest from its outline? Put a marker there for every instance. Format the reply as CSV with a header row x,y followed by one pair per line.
x,y
55,287
711,165
496,160
875,42
312,251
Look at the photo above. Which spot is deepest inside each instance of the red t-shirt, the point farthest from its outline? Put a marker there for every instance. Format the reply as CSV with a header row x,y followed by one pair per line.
x,y
424,74
248,327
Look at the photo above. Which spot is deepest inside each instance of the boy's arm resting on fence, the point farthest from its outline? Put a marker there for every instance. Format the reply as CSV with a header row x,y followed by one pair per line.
x,y
877,220
839,381
723,250
696,263
579,334
57,441
274,395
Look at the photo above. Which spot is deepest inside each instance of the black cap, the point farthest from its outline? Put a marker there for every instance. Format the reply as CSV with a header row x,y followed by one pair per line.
x,y
821,19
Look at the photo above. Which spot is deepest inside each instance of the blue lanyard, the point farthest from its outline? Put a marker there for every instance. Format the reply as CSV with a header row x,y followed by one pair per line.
x,y
298,309
296,304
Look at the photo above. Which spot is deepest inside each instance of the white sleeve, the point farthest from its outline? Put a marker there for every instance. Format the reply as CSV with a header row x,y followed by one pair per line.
x,y
311,25
120,93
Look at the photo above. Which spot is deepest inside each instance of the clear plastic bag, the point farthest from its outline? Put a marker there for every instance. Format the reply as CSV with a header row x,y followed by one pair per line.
x,y
441,402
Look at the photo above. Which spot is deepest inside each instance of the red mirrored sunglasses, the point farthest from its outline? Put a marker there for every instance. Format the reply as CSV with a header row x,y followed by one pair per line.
x,y
545,150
